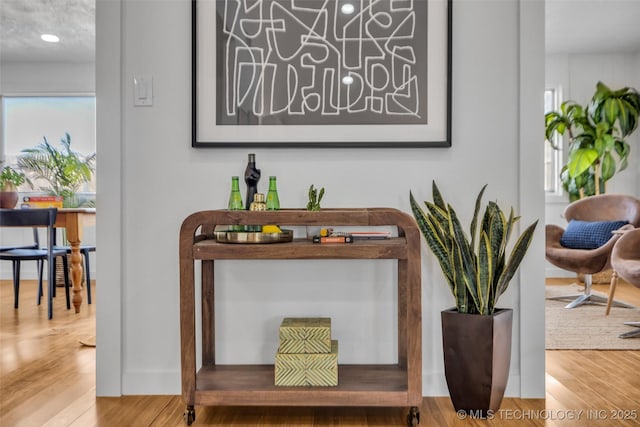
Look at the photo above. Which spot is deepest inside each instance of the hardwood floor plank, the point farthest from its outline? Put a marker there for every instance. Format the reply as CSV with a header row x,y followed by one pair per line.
x,y
74,410
48,379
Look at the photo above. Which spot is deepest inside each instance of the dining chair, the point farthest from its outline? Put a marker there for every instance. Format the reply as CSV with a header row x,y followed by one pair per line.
x,y
34,218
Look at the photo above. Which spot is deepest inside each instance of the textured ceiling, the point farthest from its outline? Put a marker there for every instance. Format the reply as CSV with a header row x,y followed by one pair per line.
x,y
23,21
572,26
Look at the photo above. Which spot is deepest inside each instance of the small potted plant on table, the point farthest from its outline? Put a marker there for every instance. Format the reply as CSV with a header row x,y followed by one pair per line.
x,y
313,205
10,180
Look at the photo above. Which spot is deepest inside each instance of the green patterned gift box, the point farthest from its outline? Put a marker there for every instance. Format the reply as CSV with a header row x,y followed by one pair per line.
x,y
305,335
307,369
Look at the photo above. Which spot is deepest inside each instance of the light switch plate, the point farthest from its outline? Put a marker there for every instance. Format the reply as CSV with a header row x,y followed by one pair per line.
x,y
143,90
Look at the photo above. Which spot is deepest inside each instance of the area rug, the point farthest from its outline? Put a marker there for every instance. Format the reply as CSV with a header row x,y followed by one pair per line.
x,y
586,327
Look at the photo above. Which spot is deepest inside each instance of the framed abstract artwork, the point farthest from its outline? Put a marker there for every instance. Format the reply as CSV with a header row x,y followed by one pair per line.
x,y
321,73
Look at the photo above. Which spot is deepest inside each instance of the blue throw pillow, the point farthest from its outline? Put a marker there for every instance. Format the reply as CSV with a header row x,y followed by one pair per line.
x,y
589,235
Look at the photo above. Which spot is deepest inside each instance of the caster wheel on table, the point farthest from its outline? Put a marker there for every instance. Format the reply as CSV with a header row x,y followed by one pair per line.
x,y
189,415
413,418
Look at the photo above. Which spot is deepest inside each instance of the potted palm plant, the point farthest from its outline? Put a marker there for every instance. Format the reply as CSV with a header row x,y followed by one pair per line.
x,y
597,132
63,170
10,179
476,334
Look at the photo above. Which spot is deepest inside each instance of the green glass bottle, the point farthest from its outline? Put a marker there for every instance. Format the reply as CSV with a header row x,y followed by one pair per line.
x,y
235,199
273,202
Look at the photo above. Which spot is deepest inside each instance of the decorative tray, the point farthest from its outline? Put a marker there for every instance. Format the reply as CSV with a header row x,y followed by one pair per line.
x,y
252,237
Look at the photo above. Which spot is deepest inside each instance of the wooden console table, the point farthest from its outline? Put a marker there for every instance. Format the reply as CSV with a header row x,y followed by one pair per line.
x,y
389,385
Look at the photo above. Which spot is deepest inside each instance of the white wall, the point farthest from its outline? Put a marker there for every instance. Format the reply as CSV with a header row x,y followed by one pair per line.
x,y
577,75
24,78
163,180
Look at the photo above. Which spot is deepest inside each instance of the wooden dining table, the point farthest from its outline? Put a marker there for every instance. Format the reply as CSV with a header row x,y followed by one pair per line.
x,y
73,220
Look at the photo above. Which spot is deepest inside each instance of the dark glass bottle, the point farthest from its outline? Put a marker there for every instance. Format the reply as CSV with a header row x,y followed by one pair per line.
x,y
273,202
251,178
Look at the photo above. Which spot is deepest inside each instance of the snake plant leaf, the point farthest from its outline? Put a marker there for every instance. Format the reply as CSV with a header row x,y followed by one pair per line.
x,y
437,196
494,229
474,220
517,255
434,239
441,216
484,278
510,223
465,258
461,285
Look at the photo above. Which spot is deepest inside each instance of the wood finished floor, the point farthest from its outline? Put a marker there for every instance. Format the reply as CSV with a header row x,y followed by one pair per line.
x,y
47,378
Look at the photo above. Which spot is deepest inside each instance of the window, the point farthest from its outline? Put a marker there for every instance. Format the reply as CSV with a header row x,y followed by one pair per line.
x,y
552,157
27,119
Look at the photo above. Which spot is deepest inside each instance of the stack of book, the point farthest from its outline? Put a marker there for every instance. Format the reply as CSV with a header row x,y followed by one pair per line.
x,y
42,202
307,356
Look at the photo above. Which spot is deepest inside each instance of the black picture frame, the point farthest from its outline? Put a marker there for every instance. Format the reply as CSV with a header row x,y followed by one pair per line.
x,y
248,129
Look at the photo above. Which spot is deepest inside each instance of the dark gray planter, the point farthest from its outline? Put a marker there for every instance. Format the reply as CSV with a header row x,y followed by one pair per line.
x,y
477,354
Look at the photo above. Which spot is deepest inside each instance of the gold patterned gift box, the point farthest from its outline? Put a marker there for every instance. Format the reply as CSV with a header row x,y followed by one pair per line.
x,y
305,335
307,369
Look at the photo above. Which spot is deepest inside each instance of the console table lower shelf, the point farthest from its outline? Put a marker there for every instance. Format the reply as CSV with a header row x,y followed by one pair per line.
x,y
358,385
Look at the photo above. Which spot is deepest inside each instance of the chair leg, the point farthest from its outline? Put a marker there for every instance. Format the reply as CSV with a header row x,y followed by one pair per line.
x,y
612,291
65,267
55,268
88,275
588,297
40,271
16,282
631,334
51,283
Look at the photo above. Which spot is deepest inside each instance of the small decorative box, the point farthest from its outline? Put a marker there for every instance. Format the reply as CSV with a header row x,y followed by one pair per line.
x,y
305,335
307,369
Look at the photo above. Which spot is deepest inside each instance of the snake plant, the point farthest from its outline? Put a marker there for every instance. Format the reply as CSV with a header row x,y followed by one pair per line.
x,y
478,270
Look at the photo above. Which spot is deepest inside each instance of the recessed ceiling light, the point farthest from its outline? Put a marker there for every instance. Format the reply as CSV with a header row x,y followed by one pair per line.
x,y
347,8
51,38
